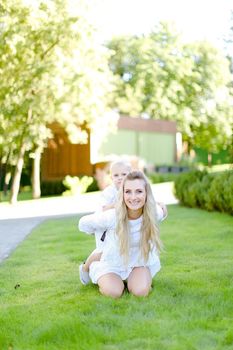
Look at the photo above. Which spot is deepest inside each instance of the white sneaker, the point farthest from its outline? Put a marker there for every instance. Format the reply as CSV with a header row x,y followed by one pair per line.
x,y
84,276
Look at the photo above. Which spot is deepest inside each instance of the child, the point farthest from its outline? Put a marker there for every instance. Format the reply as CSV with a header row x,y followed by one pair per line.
x,y
118,171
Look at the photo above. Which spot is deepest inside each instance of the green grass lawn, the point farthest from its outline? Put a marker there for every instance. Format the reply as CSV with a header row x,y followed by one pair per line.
x,y
44,306
23,195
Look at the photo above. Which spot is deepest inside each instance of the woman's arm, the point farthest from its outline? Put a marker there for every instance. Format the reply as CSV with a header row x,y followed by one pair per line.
x,y
97,221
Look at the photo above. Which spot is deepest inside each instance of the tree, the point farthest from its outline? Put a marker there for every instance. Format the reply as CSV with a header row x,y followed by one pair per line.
x,y
189,83
51,70
228,39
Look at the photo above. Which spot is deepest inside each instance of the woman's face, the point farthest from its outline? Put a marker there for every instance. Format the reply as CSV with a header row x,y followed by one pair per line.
x,y
134,194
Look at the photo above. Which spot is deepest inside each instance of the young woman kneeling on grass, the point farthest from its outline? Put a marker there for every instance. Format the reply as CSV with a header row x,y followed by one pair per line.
x,y
132,242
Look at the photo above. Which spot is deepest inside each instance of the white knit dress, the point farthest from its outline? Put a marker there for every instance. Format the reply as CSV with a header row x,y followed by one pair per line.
x,y
111,261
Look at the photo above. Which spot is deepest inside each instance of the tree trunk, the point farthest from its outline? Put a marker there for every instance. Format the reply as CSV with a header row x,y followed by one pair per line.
x,y
36,174
7,180
4,176
19,165
209,159
17,175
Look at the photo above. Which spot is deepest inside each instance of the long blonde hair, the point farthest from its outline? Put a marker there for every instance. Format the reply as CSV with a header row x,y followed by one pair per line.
x,y
149,229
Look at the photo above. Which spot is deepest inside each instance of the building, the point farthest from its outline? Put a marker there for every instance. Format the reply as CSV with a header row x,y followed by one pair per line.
x,y
154,141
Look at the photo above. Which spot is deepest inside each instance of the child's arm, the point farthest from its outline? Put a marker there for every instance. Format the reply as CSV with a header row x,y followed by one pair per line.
x,y
94,256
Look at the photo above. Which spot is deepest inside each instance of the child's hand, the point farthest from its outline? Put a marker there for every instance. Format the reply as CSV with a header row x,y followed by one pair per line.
x,y
164,209
109,206
93,257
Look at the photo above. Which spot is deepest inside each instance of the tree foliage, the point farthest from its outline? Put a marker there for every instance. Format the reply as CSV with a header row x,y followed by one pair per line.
x,y
165,78
51,69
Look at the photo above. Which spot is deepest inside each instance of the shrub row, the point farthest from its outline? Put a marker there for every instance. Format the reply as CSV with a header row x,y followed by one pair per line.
x,y
210,191
57,187
52,188
159,177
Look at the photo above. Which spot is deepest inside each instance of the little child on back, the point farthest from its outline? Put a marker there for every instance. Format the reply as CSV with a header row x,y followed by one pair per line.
x,y
118,170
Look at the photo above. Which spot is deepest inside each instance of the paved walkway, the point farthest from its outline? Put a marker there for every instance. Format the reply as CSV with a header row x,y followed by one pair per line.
x,y
17,221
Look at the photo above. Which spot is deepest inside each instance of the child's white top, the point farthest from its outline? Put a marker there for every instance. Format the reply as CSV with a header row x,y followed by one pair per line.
x,y
108,196
107,221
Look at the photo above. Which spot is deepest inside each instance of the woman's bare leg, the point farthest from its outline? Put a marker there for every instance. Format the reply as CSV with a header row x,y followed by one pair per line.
x,y
111,285
139,281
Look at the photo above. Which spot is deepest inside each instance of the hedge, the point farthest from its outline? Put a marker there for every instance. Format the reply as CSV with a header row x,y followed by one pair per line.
x,y
209,191
159,177
57,187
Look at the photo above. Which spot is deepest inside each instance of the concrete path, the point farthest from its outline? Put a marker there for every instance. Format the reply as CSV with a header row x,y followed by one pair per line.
x,y
17,221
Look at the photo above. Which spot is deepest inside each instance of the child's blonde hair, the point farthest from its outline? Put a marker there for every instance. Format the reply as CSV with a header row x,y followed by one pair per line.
x,y
122,163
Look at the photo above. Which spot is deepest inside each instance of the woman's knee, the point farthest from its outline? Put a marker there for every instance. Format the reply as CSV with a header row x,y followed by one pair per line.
x,y
140,291
109,291
111,285
139,282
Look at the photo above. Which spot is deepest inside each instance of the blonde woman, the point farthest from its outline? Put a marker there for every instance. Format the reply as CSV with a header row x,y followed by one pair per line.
x,y
131,250
118,170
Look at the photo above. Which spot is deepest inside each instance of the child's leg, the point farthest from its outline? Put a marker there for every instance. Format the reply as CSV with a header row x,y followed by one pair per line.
x,y
84,268
94,256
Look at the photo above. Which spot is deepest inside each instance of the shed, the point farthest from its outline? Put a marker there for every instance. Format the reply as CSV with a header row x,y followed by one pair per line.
x,y
152,140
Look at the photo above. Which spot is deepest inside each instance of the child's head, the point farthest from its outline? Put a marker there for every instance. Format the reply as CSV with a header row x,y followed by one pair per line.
x,y
118,170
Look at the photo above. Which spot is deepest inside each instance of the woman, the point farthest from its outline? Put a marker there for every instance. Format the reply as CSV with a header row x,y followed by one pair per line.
x,y
132,240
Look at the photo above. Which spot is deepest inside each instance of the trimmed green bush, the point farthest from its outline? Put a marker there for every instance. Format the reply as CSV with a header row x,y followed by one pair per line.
x,y
93,186
221,192
56,187
204,186
185,189
52,188
228,190
162,177
212,191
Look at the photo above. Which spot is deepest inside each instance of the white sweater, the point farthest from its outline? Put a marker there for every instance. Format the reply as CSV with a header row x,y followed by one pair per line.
x,y
107,221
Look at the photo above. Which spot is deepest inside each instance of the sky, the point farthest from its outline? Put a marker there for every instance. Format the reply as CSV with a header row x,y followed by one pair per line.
x,y
194,19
